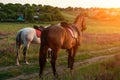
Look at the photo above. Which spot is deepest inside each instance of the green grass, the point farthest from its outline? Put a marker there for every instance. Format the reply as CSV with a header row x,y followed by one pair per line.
x,y
14,27
9,73
102,29
104,70
94,46
19,71
89,72
95,26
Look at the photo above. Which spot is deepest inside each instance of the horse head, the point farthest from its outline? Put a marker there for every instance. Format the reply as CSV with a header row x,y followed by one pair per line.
x,y
39,27
80,22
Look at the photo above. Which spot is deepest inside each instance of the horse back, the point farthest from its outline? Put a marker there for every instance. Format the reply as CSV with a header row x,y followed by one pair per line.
x,y
56,36
28,35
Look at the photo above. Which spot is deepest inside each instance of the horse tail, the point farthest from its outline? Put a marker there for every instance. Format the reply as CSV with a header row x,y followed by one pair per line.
x,y
18,38
18,44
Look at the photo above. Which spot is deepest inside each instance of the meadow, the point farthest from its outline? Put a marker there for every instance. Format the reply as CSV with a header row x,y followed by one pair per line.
x,y
98,57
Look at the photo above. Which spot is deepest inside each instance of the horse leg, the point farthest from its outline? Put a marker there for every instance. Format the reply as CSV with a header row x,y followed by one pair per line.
x,y
17,56
71,59
71,55
70,51
53,60
24,53
18,47
42,59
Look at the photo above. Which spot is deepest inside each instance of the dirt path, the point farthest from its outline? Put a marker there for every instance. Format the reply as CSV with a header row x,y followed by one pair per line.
x,y
93,60
95,51
61,69
79,53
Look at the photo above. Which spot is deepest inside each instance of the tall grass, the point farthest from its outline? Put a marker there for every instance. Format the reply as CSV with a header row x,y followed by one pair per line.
x,y
89,72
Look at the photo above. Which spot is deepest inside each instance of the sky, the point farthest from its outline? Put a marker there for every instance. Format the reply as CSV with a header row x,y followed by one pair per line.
x,y
72,3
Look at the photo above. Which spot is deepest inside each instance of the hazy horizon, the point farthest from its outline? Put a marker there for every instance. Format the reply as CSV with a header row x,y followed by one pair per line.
x,y
70,3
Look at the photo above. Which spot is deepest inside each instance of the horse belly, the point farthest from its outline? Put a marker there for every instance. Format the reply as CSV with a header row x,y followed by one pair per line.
x,y
69,43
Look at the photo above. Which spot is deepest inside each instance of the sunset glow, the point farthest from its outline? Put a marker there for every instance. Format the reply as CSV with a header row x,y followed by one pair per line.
x,y
72,3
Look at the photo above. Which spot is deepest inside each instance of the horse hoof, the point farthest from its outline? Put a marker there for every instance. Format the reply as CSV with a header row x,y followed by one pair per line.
x,y
40,76
71,72
17,64
27,63
55,77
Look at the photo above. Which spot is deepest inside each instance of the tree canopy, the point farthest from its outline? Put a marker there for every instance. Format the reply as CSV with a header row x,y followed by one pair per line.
x,y
30,13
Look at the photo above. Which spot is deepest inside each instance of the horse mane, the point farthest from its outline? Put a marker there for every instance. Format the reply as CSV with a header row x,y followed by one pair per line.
x,y
64,24
80,15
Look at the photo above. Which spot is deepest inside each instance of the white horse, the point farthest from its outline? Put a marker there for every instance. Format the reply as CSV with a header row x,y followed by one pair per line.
x,y
25,37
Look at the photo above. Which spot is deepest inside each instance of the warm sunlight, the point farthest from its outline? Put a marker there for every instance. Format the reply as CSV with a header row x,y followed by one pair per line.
x,y
72,3
59,39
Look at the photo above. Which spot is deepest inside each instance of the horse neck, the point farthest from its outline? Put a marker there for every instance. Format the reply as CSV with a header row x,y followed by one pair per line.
x,y
78,23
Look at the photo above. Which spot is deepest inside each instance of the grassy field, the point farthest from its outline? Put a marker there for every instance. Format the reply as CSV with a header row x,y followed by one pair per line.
x,y
92,62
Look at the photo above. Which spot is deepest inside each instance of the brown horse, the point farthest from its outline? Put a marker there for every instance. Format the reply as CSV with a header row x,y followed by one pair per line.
x,y
58,37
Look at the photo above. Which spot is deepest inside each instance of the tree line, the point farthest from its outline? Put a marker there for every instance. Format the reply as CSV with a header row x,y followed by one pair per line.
x,y
29,13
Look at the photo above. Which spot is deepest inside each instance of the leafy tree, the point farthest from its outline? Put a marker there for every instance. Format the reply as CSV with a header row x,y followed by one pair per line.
x,y
45,13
